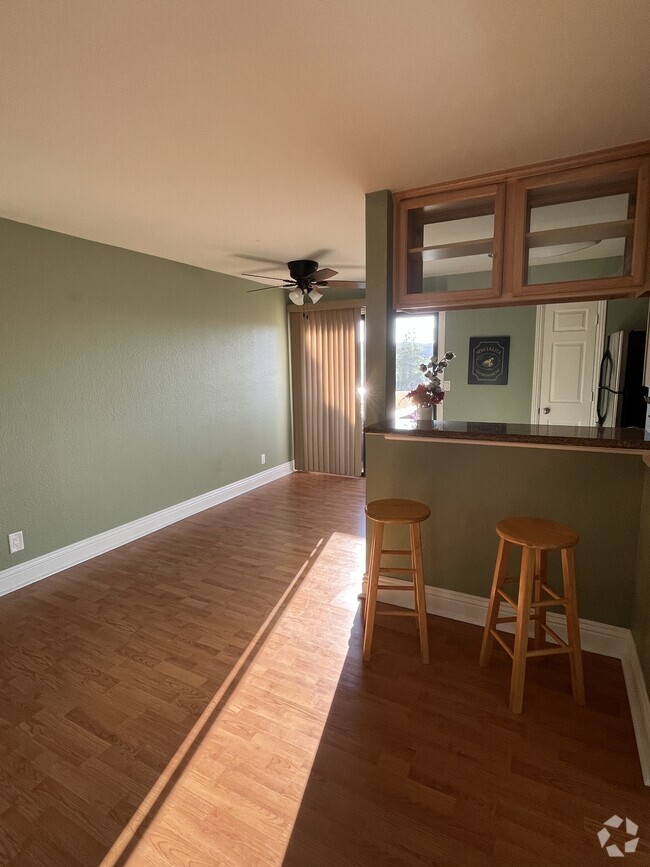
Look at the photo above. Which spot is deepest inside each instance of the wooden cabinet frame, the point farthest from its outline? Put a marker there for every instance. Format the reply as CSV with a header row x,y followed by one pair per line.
x,y
638,227
510,189
406,277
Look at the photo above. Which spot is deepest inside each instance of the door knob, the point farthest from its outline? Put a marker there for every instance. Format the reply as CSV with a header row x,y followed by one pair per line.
x,y
546,410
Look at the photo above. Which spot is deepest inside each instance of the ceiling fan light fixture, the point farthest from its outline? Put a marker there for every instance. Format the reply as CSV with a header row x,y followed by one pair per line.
x,y
315,296
297,297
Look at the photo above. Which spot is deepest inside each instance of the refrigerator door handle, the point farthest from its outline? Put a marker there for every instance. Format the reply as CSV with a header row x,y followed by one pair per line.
x,y
602,404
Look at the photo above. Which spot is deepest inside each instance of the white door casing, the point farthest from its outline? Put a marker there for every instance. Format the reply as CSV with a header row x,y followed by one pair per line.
x,y
568,347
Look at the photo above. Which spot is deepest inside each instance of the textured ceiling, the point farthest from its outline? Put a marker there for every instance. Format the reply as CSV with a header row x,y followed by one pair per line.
x,y
205,130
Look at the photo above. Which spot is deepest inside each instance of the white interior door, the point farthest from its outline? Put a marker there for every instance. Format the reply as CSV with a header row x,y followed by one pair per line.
x,y
568,351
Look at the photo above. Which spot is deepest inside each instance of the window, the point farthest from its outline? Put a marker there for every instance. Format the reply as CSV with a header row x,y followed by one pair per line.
x,y
416,340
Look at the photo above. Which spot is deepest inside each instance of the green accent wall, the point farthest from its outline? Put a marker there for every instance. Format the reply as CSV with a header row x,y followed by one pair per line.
x,y
626,314
500,403
471,487
641,610
380,318
129,383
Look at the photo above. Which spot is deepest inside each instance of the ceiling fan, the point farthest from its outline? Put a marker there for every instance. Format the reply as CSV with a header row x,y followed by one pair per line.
x,y
306,279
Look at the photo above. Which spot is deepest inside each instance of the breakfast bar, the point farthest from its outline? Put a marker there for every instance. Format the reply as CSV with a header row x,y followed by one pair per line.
x,y
588,478
615,440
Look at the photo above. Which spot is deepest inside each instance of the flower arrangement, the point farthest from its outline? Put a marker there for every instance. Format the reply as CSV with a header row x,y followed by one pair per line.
x,y
431,392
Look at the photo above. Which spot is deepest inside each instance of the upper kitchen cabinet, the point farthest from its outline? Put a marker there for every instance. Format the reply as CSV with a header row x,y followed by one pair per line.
x,y
562,230
581,231
450,244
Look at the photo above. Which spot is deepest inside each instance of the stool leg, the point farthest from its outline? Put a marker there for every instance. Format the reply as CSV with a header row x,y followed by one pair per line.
x,y
526,578
541,572
572,625
371,589
500,571
364,611
418,586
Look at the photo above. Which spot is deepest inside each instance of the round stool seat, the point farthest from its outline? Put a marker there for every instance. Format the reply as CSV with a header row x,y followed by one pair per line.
x,y
397,511
537,533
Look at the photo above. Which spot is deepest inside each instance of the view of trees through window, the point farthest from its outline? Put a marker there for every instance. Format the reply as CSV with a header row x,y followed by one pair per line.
x,y
416,339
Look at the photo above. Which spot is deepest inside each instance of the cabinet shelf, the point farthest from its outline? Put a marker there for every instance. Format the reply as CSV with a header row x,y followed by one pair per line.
x,y
455,250
572,234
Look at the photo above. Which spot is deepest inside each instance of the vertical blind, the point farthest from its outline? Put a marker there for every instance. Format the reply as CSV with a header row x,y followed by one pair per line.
x,y
325,364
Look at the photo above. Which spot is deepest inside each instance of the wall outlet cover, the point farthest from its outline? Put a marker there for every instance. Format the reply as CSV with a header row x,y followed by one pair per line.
x,y
16,542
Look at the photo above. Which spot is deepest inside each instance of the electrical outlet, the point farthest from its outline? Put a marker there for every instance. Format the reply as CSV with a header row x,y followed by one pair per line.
x,y
262,459
16,542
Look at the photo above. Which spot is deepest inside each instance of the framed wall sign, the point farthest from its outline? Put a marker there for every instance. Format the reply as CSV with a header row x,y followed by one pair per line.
x,y
488,360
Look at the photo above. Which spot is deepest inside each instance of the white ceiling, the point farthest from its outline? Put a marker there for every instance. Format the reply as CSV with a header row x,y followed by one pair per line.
x,y
204,130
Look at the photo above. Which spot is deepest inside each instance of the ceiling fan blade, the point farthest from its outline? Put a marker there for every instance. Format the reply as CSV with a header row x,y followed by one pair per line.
x,y
318,255
263,288
266,259
323,274
343,284
266,277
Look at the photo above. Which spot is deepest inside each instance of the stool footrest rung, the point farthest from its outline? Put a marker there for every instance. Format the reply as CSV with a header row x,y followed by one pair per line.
x,y
507,598
397,613
395,551
547,651
550,651
503,643
400,569
506,619
555,636
553,594
548,603
395,587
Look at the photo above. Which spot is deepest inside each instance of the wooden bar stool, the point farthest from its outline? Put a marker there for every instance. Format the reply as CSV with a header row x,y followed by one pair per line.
x,y
411,514
536,537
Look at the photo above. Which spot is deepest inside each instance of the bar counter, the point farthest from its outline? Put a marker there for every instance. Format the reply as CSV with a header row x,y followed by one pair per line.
x,y
472,475
615,440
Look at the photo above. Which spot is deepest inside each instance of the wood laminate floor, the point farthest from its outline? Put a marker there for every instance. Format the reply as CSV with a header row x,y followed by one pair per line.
x,y
198,698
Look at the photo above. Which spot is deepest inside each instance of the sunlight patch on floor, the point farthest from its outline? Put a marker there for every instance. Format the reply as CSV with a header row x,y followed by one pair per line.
x,y
239,778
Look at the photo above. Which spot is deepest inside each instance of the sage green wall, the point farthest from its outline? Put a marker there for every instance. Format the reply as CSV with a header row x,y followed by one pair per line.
x,y
129,383
641,611
626,314
499,403
380,318
471,487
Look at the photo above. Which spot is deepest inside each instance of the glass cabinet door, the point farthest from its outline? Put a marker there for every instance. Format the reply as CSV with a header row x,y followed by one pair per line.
x,y
450,246
578,230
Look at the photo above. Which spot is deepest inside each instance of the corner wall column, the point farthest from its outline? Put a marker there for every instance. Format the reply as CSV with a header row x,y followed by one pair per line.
x,y
380,344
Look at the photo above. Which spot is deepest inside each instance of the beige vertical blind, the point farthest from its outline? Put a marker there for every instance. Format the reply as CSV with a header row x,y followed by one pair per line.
x,y
325,363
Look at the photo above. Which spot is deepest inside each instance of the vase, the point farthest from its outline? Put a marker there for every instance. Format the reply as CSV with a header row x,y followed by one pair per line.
x,y
426,413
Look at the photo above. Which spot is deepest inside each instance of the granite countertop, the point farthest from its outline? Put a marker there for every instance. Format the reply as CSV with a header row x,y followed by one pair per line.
x,y
630,439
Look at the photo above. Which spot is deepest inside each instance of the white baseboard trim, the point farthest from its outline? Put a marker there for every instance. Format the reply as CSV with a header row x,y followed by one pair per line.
x,y
639,704
595,637
64,558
